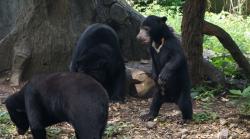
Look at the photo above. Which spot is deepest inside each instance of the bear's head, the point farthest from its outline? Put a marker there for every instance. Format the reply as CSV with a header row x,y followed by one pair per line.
x,y
154,30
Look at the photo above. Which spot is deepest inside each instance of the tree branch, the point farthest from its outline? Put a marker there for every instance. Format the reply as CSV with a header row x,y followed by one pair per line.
x,y
229,44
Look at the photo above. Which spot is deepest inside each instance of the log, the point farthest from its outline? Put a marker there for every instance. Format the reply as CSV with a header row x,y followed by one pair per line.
x,y
139,75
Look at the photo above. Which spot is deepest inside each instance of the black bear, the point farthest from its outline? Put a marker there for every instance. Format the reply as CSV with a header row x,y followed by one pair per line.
x,y
98,54
49,99
169,67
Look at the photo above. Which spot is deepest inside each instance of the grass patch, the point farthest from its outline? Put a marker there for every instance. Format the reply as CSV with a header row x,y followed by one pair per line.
x,y
114,129
203,117
240,98
7,129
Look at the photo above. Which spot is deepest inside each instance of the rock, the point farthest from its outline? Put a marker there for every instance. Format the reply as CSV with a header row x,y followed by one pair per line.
x,y
178,135
239,131
163,119
143,113
144,61
207,54
234,135
144,82
150,124
232,125
223,134
143,102
183,136
224,99
223,122
184,131
139,78
248,136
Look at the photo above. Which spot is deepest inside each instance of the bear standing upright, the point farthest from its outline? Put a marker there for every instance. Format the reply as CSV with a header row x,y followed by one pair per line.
x,y
98,54
169,67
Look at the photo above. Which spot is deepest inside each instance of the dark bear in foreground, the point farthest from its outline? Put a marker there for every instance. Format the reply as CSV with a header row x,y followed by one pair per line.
x,y
169,69
98,54
49,99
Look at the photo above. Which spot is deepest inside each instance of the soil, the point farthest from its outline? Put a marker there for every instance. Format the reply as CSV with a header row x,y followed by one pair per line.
x,y
124,121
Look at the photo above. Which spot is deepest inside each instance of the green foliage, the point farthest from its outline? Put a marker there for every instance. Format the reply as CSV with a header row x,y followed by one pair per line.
x,y
206,96
204,93
160,2
240,94
4,117
53,131
6,130
142,2
237,26
241,99
239,29
244,108
170,2
156,9
226,64
204,117
171,12
6,126
114,129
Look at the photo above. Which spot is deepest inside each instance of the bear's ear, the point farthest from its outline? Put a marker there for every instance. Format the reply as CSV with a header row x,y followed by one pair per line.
x,y
164,19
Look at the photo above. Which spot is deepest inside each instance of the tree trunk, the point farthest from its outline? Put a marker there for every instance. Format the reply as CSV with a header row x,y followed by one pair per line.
x,y
39,35
216,6
192,37
229,44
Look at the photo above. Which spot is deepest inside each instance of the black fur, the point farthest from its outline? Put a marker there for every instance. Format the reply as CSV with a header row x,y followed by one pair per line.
x,y
169,69
98,54
49,99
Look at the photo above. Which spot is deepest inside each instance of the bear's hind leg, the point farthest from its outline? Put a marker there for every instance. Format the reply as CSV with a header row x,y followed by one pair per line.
x,y
118,88
154,107
185,105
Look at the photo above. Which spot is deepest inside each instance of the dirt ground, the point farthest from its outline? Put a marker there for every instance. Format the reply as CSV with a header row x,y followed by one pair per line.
x,y
124,122
167,124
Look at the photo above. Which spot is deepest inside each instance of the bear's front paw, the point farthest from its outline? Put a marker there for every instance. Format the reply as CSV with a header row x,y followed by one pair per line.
x,y
162,84
147,117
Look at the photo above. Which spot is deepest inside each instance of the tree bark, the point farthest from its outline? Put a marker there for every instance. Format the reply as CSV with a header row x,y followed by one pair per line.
x,y
192,37
229,44
40,34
